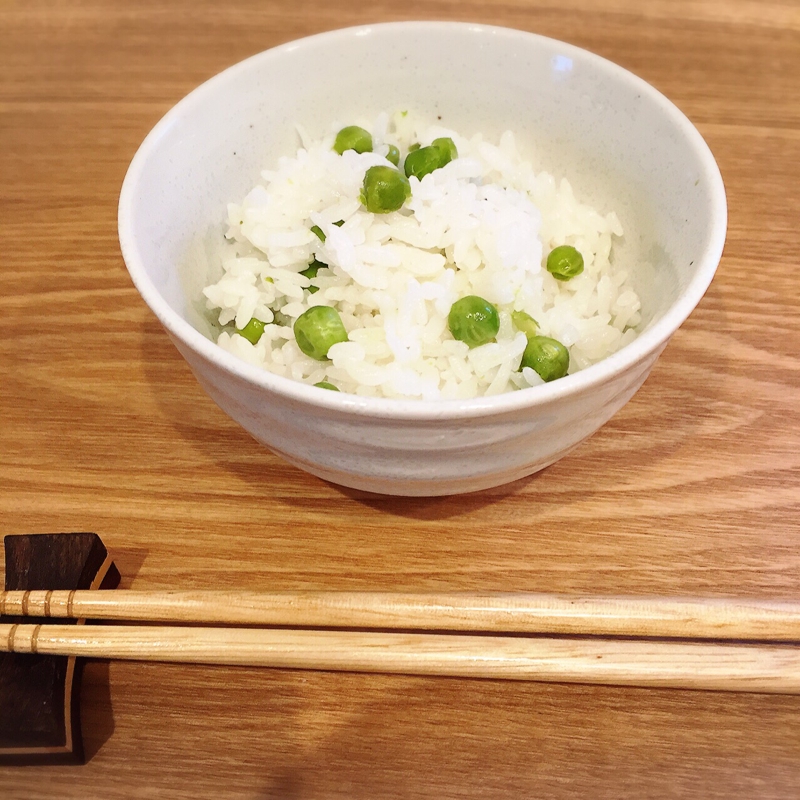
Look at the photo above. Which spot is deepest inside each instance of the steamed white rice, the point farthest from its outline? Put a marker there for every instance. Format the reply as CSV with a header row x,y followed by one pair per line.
x,y
482,225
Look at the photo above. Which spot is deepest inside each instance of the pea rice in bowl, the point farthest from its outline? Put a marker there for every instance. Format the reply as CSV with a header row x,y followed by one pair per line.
x,y
473,276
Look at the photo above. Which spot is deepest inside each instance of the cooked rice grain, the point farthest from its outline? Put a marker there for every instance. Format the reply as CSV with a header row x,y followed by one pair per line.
x,y
482,225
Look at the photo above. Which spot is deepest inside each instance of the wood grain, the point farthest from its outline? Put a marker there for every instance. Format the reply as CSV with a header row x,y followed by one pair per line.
x,y
655,663
496,612
693,489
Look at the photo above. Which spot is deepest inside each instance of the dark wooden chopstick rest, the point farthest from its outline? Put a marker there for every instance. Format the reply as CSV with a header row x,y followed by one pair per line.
x,y
40,694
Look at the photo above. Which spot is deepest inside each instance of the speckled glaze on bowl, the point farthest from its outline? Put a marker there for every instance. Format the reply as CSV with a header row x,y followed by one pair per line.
x,y
621,144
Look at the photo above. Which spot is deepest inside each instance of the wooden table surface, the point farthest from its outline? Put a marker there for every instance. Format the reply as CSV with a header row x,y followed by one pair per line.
x,y
693,488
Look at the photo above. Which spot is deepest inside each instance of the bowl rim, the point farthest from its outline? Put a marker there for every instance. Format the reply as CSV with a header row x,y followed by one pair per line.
x,y
649,341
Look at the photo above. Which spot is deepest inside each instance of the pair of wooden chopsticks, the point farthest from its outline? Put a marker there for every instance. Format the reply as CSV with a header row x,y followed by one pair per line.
x,y
722,645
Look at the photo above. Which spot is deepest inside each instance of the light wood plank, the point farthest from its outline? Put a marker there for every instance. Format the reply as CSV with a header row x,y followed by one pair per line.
x,y
693,489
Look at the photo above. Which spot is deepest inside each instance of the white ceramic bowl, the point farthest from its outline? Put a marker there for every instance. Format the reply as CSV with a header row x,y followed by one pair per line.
x,y
621,144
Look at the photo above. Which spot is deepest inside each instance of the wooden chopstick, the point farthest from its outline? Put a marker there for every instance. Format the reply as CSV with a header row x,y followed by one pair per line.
x,y
493,613
692,665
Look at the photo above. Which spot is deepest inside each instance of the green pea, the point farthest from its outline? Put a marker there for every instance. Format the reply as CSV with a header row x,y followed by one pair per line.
x,y
447,147
252,331
311,272
393,155
326,385
353,138
413,147
385,189
564,262
547,357
423,161
473,320
524,322
317,330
